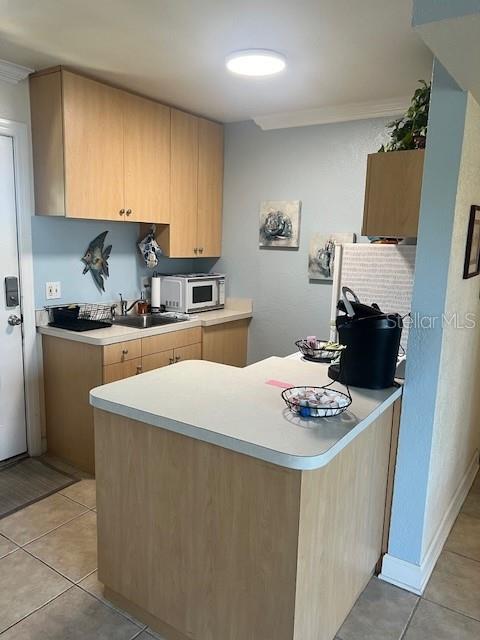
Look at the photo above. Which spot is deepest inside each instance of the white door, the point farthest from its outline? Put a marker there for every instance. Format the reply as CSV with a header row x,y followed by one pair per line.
x,y
13,432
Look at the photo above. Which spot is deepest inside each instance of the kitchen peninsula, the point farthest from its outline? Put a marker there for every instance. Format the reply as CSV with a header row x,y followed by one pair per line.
x,y
222,515
75,362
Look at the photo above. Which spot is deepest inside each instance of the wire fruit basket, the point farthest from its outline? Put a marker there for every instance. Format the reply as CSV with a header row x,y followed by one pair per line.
x,y
316,402
317,350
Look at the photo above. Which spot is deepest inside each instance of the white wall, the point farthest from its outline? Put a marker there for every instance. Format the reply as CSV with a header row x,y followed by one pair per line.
x,y
324,166
15,102
456,431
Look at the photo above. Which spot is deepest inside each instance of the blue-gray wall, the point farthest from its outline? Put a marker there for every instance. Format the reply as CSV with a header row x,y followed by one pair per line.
x,y
59,244
440,180
425,11
324,167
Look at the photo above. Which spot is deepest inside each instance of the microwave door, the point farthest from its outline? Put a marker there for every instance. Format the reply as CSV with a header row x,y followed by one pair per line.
x,y
202,294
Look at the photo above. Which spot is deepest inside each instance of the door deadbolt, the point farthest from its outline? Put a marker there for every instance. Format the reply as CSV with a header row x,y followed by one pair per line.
x,y
11,291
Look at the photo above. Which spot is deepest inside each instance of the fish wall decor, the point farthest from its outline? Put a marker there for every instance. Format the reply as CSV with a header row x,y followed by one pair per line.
x,y
95,260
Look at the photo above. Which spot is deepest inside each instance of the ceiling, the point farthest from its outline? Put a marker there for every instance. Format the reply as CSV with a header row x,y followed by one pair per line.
x,y
455,43
339,51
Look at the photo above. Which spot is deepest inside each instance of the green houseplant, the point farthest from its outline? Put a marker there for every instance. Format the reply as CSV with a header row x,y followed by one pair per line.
x,y
410,131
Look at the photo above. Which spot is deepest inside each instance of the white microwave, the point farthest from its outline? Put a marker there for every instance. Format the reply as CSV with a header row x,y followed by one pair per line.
x,y
193,292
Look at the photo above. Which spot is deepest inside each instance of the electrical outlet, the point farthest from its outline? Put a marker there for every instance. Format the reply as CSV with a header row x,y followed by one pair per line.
x,y
53,290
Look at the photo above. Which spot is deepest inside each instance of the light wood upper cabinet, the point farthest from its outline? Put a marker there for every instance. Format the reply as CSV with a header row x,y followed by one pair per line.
x,y
93,148
392,195
147,159
182,235
210,188
106,154
195,229
99,152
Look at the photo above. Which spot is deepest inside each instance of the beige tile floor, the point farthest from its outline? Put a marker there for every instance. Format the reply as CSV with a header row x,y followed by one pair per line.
x,y
49,588
450,606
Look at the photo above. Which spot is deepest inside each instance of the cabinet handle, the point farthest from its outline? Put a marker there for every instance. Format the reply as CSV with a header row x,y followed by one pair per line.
x,y
177,358
171,360
124,352
201,250
195,250
139,370
121,212
128,212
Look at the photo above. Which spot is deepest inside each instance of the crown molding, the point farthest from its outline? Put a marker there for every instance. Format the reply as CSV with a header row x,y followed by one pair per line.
x,y
13,73
340,113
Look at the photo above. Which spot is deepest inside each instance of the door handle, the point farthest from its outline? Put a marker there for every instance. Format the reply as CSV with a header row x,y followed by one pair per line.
x,y
14,321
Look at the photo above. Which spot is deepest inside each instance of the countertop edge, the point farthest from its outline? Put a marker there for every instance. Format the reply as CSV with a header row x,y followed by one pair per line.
x,y
278,458
134,334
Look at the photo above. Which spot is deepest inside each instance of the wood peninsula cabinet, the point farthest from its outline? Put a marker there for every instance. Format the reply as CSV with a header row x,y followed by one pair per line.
x,y
392,194
106,154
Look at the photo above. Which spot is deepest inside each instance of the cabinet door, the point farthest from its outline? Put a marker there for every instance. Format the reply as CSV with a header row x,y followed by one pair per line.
x,y
392,195
210,188
190,352
157,360
147,160
121,351
226,343
183,192
93,139
121,370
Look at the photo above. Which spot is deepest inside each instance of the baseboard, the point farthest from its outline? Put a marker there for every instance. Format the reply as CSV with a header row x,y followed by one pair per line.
x,y
415,577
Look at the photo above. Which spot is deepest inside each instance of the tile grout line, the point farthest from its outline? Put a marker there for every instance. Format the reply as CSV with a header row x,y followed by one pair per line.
x,y
459,613
414,610
111,606
37,609
25,544
58,570
75,501
461,555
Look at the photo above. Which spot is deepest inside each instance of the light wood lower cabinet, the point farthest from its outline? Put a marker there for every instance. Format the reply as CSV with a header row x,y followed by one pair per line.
x,y
72,369
121,351
157,360
121,370
226,343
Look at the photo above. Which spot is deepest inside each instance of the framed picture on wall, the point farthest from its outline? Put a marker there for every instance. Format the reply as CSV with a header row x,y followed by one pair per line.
x,y
472,252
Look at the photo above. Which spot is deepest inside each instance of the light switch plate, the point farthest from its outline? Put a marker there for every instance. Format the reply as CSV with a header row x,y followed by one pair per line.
x,y
53,290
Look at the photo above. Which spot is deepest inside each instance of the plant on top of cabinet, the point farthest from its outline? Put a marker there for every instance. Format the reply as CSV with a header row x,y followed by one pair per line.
x,y
410,131
98,152
394,179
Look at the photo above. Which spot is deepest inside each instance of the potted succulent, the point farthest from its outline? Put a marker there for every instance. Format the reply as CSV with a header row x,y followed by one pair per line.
x,y
410,131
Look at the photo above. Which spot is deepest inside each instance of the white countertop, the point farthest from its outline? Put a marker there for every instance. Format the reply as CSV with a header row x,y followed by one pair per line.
x,y
235,309
236,408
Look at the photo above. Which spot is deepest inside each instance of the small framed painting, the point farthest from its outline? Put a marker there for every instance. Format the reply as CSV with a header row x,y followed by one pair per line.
x,y
322,254
280,224
472,252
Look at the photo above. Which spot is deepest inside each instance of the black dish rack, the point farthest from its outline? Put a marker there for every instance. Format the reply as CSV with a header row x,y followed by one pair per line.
x,y
80,317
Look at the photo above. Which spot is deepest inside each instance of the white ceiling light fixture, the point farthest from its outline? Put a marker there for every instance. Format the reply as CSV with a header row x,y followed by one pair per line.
x,y
255,62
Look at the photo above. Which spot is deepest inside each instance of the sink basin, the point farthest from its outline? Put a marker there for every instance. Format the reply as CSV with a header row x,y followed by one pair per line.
x,y
146,321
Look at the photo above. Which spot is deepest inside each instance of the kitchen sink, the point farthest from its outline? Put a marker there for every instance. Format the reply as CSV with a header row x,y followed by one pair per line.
x,y
146,321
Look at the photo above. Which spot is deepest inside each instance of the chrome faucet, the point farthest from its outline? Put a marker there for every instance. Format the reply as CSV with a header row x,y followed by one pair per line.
x,y
124,308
